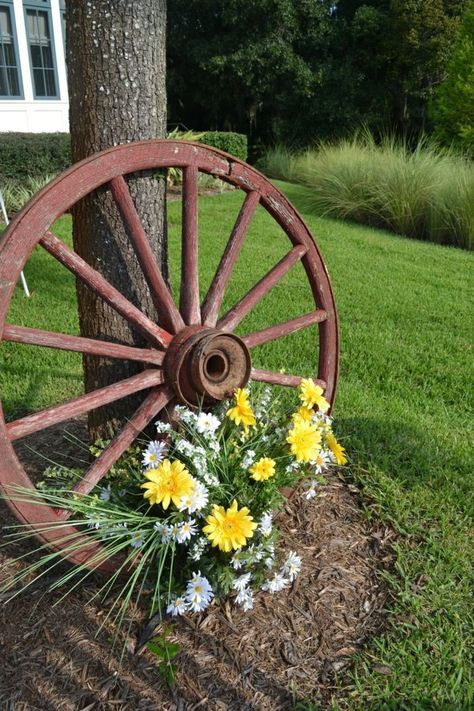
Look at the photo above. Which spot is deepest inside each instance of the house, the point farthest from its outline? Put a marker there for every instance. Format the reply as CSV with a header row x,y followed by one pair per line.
x,y
33,84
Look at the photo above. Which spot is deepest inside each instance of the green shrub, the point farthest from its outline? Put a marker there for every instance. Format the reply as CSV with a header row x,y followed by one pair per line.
x,y
426,192
24,155
233,143
16,194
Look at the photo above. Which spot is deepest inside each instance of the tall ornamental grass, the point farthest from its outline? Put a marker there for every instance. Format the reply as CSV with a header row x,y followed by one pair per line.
x,y
425,192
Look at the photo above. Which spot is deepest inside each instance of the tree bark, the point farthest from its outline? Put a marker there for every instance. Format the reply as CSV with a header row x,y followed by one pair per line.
x,y
116,74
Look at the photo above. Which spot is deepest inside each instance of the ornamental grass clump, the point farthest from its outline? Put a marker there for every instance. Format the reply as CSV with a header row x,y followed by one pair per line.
x,y
190,515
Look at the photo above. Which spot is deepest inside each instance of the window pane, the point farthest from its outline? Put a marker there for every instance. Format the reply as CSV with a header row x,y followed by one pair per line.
x,y
41,52
9,77
38,78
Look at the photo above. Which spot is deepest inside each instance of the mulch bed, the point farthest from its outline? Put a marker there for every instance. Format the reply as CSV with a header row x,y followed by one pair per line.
x,y
287,648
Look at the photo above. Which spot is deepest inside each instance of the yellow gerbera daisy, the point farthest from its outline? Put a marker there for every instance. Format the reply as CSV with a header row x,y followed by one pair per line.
x,y
229,529
242,412
311,395
263,469
305,441
168,482
337,449
303,414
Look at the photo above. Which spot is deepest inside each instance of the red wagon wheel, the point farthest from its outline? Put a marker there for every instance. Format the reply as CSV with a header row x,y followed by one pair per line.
x,y
194,354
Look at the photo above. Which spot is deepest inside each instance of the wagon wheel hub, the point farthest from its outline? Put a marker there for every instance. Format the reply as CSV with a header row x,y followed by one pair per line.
x,y
206,365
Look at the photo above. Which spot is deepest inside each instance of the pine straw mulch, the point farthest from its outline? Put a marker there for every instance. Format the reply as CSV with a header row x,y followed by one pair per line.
x,y
288,647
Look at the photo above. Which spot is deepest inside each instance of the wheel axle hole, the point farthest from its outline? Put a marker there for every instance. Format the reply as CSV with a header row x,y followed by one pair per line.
x,y
216,367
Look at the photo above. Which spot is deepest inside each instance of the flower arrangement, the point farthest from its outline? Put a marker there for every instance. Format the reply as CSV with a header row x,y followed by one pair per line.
x,y
191,515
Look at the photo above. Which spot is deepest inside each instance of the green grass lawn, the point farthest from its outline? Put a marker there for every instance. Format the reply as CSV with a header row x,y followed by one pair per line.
x,y
404,410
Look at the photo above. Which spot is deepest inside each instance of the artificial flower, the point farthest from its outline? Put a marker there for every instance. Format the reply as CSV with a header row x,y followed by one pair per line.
x,y
337,449
153,454
275,584
311,395
207,423
263,469
198,592
242,412
170,481
265,524
229,529
302,415
292,566
177,606
186,530
196,500
305,441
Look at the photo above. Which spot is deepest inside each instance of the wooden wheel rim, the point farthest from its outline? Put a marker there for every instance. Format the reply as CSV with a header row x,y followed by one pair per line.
x,y
31,227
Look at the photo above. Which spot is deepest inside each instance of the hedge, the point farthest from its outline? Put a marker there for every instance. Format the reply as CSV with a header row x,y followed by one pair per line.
x,y
24,155
233,143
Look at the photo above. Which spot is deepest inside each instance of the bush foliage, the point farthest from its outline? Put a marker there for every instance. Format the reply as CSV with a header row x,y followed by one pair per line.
x,y
425,192
25,155
233,143
35,155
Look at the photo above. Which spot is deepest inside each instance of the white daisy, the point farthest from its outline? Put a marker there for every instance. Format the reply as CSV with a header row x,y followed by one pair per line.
x,y
265,524
275,584
186,530
245,599
197,499
198,592
153,454
164,531
207,423
321,462
241,582
236,560
177,607
292,566
311,492
138,539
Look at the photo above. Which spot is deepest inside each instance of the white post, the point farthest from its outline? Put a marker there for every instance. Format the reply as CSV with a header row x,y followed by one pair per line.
x,y
5,217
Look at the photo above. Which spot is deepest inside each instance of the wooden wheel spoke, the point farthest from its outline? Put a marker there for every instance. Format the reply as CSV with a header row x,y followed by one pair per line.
x,y
104,289
189,294
168,313
215,294
291,381
150,407
238,312
283,329
84,403
91,346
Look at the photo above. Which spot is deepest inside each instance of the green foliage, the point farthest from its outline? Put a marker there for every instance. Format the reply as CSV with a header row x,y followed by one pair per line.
x,y
16,194
425,192
453,108
165,651
233,143
25,155
316,70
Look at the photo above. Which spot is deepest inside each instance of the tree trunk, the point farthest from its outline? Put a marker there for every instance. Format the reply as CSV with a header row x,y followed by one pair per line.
x,y
116,73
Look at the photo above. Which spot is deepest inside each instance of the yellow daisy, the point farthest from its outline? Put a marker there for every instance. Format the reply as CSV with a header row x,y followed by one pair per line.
x,y
302,415
168,482
311,395
337,449
229,529
263,469
242,412
305,441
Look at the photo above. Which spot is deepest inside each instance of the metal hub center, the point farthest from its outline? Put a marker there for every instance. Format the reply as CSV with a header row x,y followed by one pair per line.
x,y
206,365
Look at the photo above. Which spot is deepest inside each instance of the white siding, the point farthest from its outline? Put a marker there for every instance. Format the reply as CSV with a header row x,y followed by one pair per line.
x,y
29,114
